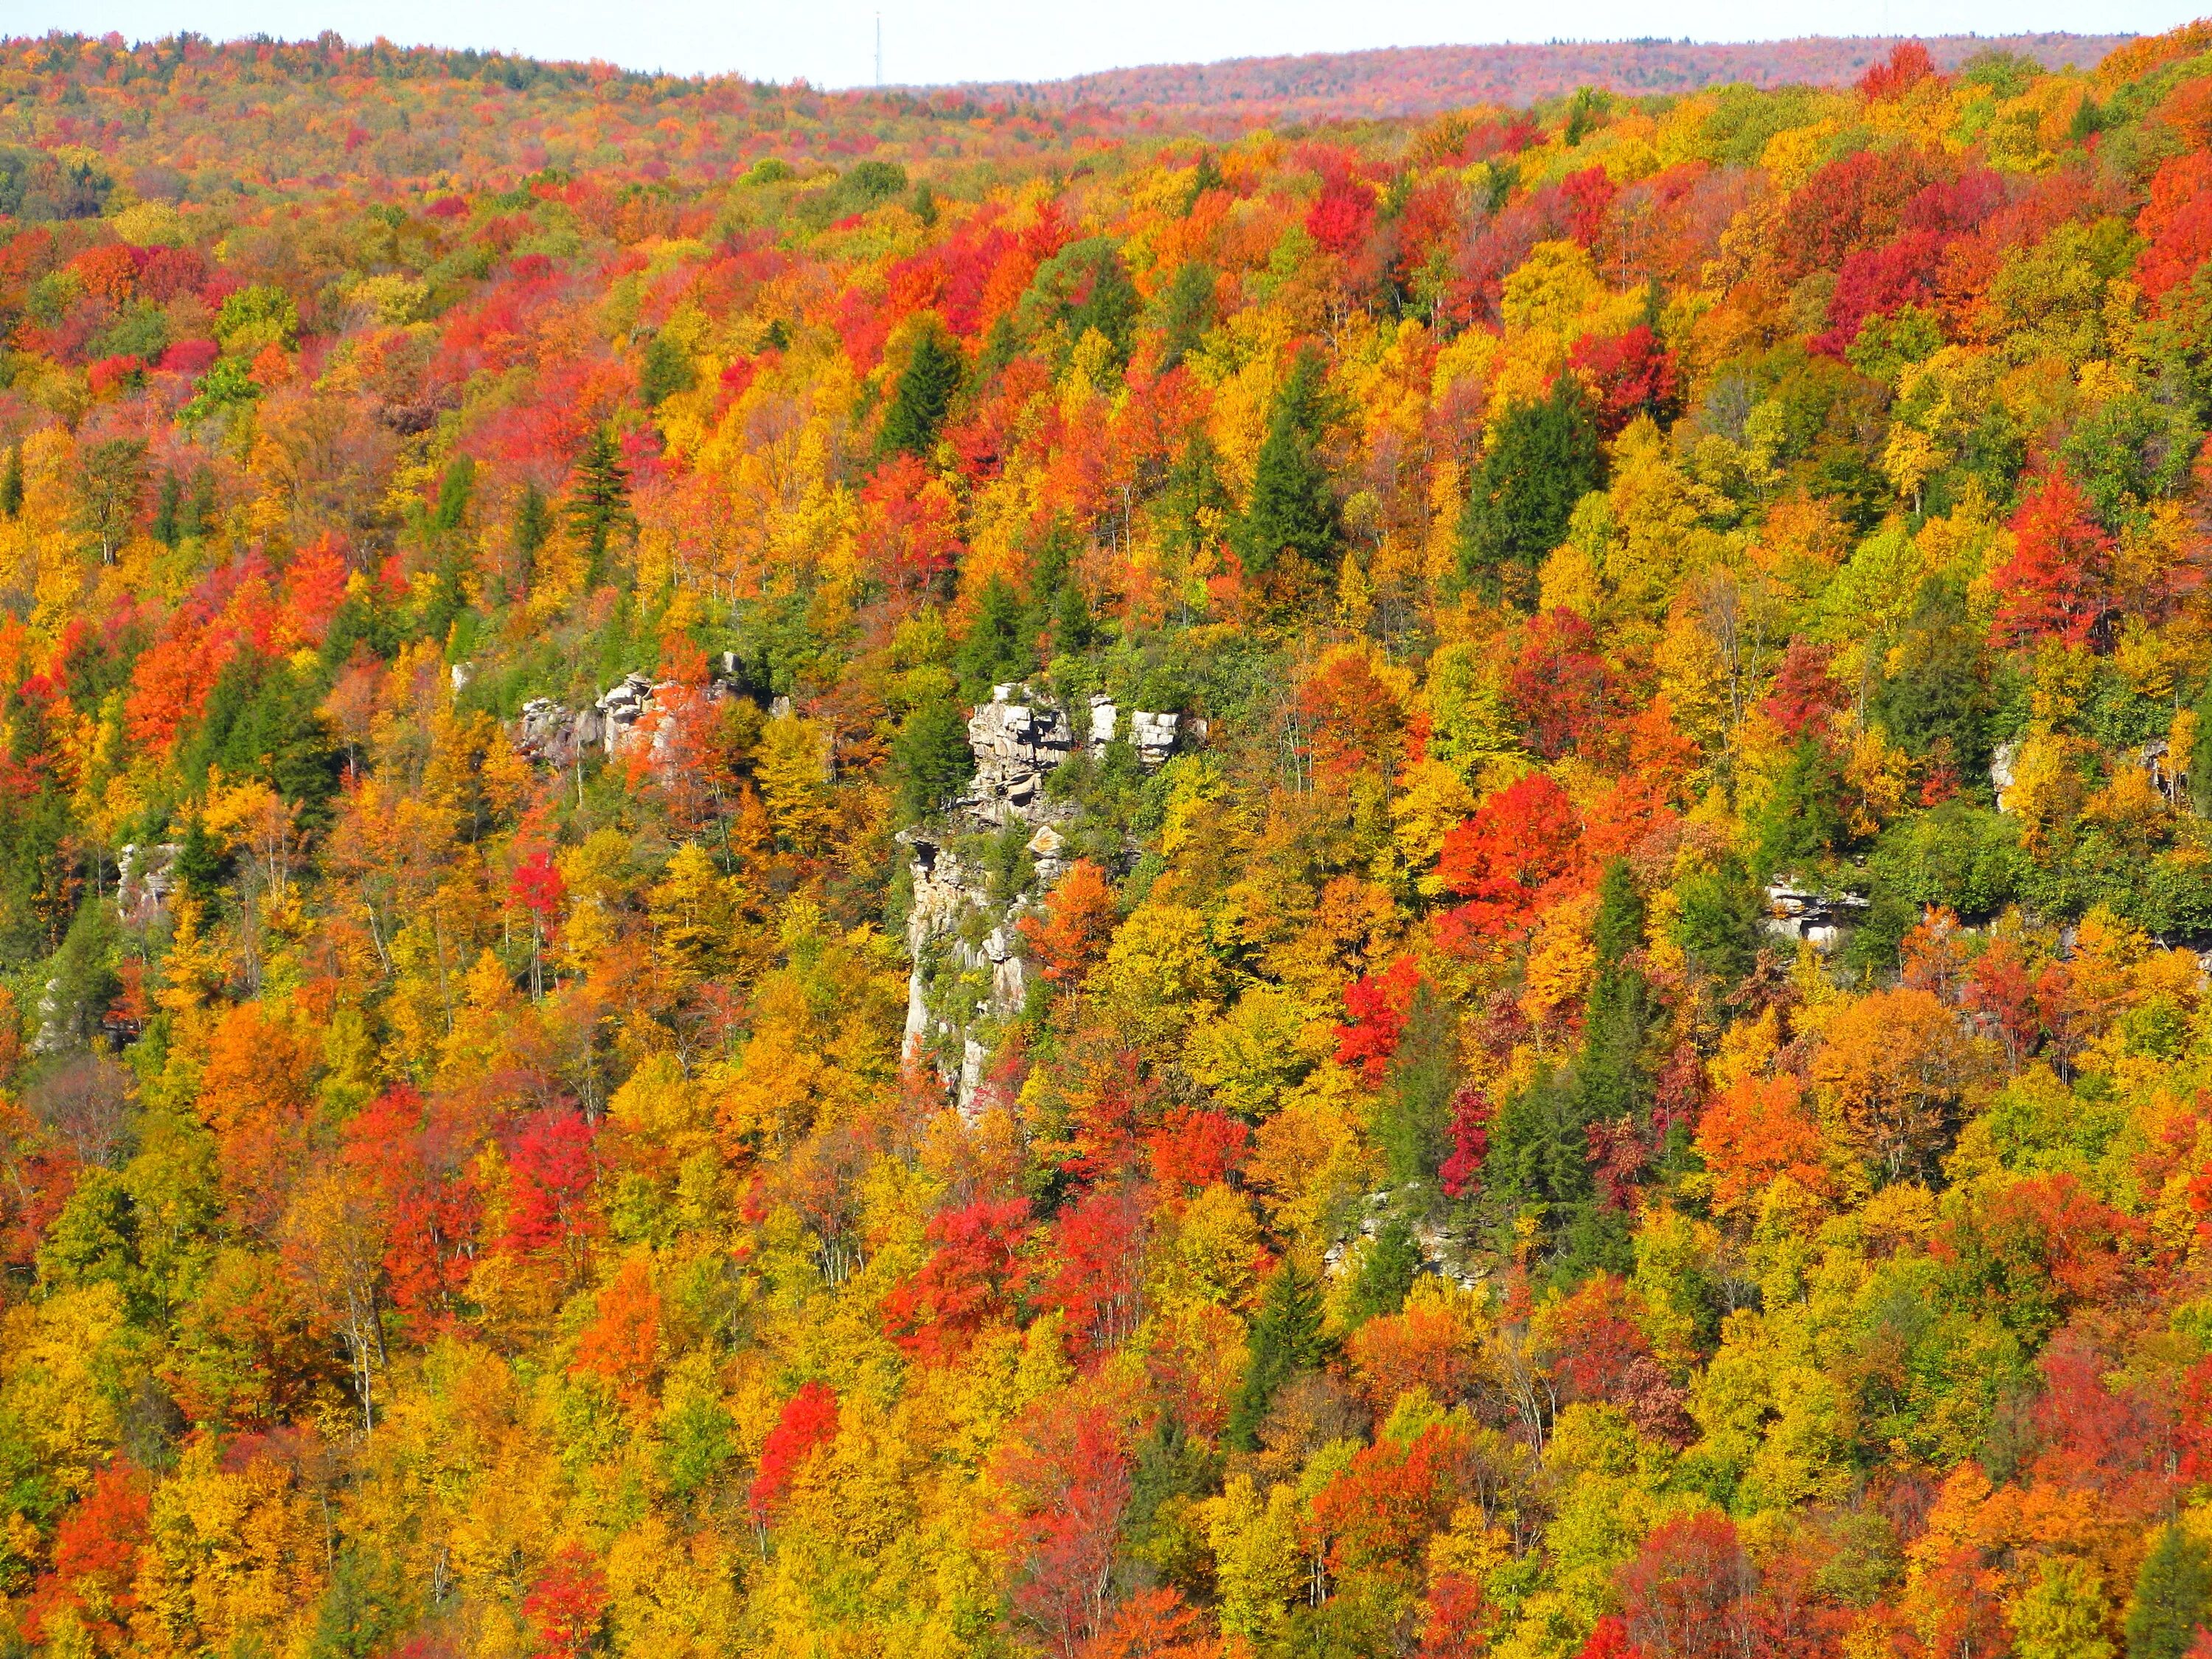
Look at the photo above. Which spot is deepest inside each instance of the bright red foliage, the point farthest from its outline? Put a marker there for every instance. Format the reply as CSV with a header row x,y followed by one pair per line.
x,y
2058,584
1375,1007
809,1421
567,1605
1521,849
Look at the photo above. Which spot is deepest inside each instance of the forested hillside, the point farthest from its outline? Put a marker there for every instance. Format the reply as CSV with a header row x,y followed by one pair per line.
x,y
1420,80
846,876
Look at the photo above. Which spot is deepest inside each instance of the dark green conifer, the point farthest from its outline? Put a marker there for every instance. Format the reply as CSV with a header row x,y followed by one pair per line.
x,y
1287,1340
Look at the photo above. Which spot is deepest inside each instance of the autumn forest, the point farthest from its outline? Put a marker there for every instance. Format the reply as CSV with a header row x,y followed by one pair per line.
x,y
898,873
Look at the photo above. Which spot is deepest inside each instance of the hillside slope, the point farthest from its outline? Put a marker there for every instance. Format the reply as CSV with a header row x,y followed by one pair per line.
x,y
1417,80
857,876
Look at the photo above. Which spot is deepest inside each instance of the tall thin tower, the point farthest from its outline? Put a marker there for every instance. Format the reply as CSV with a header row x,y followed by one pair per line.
x,y
879,52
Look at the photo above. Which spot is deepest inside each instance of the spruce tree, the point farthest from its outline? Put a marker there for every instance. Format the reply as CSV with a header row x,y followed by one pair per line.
x,y
925,391
2172,1592
1292,511
168,508
1610,1073
598,499
1288,1341
11,483
1546,457
1413,1120
533,523
454,489
931,756
1386,1271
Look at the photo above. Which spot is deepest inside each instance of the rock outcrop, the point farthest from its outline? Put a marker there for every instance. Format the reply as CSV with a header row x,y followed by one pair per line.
x,y
965,942
558,735
146,876
1820,919
1016,745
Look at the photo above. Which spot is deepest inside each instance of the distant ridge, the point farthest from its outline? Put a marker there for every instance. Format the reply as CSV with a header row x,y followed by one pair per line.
x,y
1412,80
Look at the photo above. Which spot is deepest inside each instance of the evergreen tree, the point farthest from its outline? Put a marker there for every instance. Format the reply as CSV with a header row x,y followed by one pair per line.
x,y
455,489
1187,311
1207,176
997,649
1717,923
1072,628
1610,1073
200,517
666,371
1292,511
1546,457
925,391
1195,499
168,510
1109,303
1288,1341
201,867
11,483
1388,1268
1414,1121
598,499
931,756
533,521
2172,1590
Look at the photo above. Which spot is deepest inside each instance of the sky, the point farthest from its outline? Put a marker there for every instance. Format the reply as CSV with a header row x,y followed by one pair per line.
x,y
831,43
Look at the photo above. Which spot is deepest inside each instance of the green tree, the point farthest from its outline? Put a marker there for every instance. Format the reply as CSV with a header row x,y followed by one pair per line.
x,y
1546,457
110,478
533,521
1287,1340
1610,1073
925,391
2172,1590
1716,924
997,649
168,510
11,483
931,758
1186,311
1386,1271
1414,1121
1292,511
666,371
455,486
598,498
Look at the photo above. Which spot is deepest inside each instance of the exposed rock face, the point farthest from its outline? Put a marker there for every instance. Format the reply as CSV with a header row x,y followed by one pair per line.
x,y
146,876
1820,919
559,736
966,944
1015,745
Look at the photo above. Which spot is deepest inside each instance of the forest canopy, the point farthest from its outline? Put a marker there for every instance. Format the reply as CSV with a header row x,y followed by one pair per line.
x,y
878,873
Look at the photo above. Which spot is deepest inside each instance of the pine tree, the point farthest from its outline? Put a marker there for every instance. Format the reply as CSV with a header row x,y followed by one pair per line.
x,y
2171,1593
454,489
1387,1272
1187,311
169,508
1413,1123
11,483
599,501
1546,457
1610,1074
1287,1340
925,391
931,757
1292,511
533,522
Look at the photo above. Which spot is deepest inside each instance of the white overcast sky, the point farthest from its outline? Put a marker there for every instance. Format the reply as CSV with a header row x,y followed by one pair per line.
x,y
832,42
